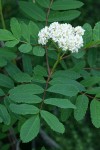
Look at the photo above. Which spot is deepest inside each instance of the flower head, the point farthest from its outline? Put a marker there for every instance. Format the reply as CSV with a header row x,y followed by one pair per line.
x,y
66,36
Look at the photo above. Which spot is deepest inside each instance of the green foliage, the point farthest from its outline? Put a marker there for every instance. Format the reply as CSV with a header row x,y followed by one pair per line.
x,y
3,62
27,63
2,92
91,81
59,80
25,48
6,35
64,89
38,84
65,5
22,77
38,51
64,16
23,109
69,74
7,54
81,107
5,117
65,114
96,32
25,32
88,33
62,103
30,129
43,3
52,121
32,10
43,148
40,70
95,90
95,113
12,43
25,93
16,31
5,81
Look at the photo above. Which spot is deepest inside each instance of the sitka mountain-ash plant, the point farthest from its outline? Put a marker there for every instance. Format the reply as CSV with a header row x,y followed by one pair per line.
x,y
49,70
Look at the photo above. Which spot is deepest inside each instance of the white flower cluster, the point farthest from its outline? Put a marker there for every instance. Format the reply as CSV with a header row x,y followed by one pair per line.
x,y
66,36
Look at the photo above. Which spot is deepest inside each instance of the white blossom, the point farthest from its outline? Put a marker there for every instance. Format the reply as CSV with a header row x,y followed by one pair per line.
x,y
79,30
66,36
43,36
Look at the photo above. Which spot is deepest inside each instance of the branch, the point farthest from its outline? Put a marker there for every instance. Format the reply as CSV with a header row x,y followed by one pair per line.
x,y
64,57
48,140
49,77
92,97
15,143
46,51
47,61
48,12
1,15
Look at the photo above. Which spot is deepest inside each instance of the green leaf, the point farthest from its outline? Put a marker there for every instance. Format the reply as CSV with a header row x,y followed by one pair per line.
x,y
40,71
6,53
96,32
11,43
44,3
52,54
3,62
25,48
98,95
6,35
81,107
39,79
92,57
64,16
67,81
5,81
65,114
22,77
94,90
70,74
43,148
25,32
95,113
27,63
32,10
15,28
25,93
1,92
4,115
79,67
88,33
79,54
12,69
62,103
90,81
30,129
65,5
33,29
23,109
53,121
38,51
1,120
64,89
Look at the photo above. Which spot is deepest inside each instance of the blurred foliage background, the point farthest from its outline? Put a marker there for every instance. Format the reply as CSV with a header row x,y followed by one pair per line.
x,y
82,135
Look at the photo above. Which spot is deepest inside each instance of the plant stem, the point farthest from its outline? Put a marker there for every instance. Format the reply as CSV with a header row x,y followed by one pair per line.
x,y
48,12
56,63
2,17
49,77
